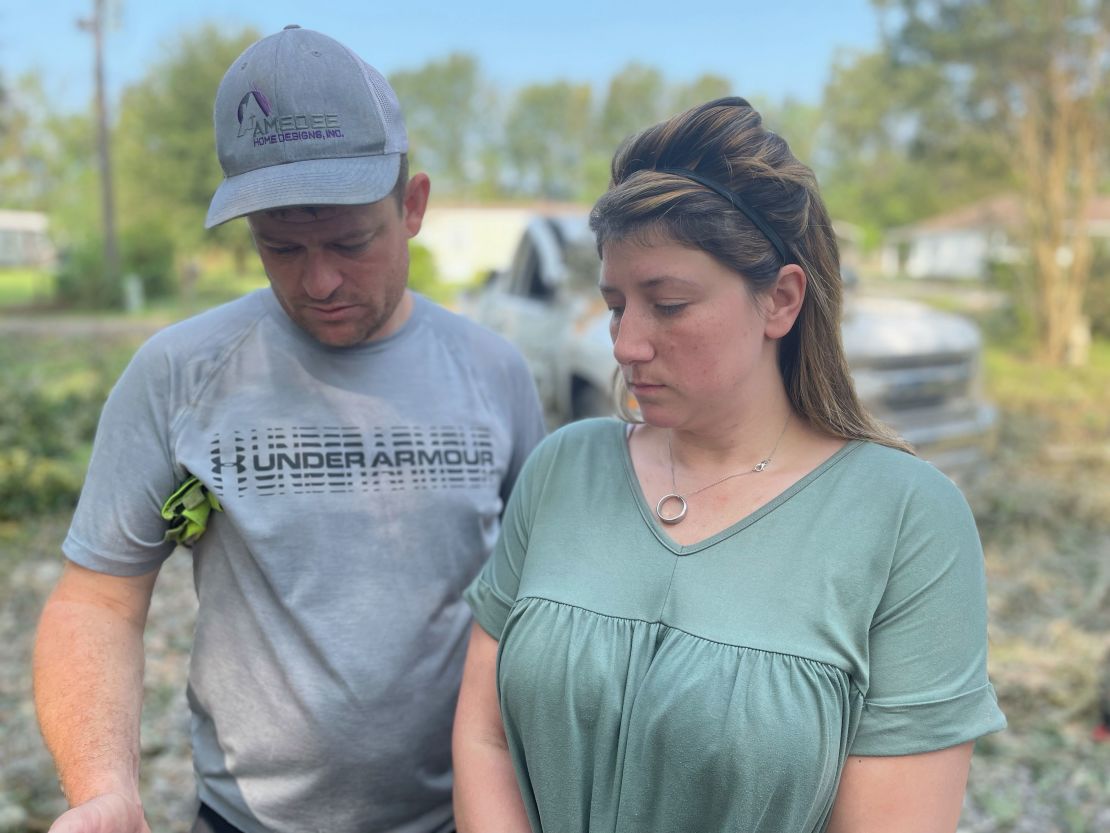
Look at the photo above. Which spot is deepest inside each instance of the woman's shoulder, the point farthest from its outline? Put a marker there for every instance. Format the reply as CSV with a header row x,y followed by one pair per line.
x,y
889,465
585,440
596,431
913,487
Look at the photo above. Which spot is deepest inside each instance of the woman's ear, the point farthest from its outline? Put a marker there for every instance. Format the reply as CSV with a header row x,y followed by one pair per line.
x,y
784,301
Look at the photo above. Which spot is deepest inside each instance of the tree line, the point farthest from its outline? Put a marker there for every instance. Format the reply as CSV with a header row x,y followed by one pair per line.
x,y
962,99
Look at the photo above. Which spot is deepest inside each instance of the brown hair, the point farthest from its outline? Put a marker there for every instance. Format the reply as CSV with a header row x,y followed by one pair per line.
x,y
725,141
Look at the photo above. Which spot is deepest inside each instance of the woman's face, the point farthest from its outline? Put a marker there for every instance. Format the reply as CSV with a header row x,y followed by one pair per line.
x,y
689,337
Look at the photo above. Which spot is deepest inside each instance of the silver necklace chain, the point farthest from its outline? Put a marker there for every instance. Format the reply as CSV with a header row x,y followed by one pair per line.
x,y
683,506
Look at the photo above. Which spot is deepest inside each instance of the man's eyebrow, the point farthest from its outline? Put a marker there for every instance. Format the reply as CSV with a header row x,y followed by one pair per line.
x,y
262,237
276,237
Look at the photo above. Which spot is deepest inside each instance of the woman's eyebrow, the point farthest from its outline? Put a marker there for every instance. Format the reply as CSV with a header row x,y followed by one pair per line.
x,y
657,282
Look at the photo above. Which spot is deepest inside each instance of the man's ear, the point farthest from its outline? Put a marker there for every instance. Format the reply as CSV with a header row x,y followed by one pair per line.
x,y
784,302
416,202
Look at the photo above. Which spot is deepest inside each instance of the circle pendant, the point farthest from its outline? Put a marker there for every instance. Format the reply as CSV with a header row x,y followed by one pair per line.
x,y
678,516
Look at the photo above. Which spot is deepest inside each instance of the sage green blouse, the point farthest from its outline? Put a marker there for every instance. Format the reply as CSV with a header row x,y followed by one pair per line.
x,y
648,687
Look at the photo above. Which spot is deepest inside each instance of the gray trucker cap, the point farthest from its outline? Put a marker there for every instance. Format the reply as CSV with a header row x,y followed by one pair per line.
x,y
302,120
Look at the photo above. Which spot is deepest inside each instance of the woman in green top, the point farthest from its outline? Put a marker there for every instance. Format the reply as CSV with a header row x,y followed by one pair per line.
x,y
751,609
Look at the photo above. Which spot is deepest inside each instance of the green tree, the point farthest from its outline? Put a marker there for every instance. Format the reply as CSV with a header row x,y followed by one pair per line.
x,y
801,124
890,148
16,182
68,177
705,87
545,138
1031,76
447,108
40,151
47,161
636,99
167,167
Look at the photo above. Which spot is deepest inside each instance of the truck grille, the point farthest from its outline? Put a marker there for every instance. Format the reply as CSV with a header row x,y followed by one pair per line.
x,y
922,382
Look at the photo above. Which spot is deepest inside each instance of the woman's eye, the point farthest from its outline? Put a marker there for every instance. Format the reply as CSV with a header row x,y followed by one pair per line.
x,y
282,250
670,309
616,312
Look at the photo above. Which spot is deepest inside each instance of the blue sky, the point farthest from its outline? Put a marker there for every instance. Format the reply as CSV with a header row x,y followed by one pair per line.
x,y
767,50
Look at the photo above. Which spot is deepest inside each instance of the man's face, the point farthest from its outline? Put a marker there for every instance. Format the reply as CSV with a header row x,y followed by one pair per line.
x,y
340,271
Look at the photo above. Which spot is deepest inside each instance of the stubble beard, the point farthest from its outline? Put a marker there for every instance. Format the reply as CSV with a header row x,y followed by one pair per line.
x,y
358,331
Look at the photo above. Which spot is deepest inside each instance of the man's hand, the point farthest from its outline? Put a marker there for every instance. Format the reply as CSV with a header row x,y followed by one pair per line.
x,y
109,813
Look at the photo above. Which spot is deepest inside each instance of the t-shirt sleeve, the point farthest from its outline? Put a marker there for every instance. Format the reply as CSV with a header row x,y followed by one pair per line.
x,y
117,527
493,592
928,687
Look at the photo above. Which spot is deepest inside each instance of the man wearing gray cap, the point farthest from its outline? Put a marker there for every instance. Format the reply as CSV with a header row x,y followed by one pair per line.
x,y
339,451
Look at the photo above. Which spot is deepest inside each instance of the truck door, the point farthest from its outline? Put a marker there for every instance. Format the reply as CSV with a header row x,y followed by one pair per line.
x,y
529,313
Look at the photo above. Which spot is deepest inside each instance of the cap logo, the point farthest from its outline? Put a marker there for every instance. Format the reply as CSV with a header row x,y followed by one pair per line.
x,y
272,129
258,96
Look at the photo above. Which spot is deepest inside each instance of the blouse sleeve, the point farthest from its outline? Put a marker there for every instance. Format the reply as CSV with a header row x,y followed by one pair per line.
x,y
493,592
928,687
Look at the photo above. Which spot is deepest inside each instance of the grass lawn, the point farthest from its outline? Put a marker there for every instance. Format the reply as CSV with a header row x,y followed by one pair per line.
x,y
21,287
1075,400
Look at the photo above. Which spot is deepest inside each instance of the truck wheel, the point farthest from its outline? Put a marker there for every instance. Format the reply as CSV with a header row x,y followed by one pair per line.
x,y
591,402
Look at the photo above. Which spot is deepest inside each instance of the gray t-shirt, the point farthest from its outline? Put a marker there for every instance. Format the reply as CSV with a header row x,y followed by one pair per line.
x,y
362,489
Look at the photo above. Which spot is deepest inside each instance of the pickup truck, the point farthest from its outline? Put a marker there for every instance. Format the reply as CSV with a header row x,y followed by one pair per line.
x,y
915,368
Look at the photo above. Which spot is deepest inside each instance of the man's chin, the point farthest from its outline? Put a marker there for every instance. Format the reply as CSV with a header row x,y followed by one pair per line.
x,y
344,335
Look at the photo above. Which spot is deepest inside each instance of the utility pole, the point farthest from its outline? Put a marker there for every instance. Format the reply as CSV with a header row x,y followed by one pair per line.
x,y
95,26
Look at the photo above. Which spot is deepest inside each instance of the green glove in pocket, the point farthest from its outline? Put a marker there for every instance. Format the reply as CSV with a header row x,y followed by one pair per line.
x,y
187,510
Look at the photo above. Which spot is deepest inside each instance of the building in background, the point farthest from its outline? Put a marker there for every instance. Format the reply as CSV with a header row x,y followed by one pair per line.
x,y
25,239
468,241
963,243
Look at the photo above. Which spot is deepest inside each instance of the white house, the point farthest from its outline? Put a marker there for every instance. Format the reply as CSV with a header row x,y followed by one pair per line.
x,y
962,243
467,240
25,239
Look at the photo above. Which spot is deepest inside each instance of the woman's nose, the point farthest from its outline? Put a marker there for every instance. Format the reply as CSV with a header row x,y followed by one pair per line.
x,y
631,339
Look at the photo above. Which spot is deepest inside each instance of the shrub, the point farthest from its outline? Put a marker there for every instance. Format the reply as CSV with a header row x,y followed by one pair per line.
x,y
82,279
35,485
424,276
1013,324
1097,306
147,250
53,395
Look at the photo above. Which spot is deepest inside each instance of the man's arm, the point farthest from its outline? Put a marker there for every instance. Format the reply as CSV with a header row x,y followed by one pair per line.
x,y
902,794
88,684
487,798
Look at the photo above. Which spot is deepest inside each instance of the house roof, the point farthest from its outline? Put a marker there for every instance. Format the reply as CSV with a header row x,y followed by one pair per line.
x,y
1003,211
23,220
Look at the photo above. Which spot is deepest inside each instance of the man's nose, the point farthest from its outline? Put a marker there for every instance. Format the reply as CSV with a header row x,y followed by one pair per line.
x,y
321,277
631,339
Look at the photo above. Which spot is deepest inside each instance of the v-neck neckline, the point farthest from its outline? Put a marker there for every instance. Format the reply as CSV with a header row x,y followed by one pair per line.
x,y
667,541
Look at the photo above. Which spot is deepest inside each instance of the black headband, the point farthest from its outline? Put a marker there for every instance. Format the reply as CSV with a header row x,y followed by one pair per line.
x,y
738,203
